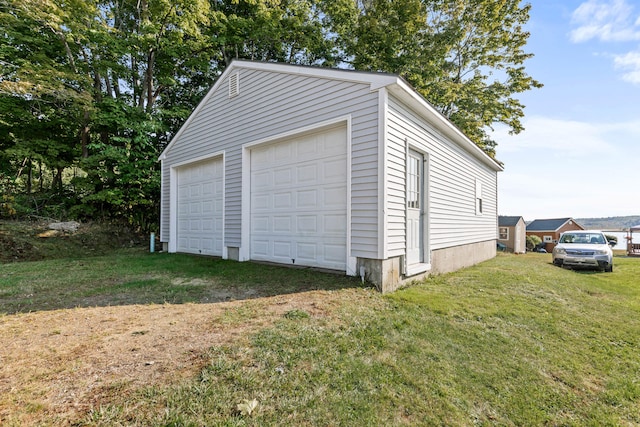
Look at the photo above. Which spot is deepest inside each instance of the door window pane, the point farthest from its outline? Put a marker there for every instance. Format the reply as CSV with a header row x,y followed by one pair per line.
x,y
414,178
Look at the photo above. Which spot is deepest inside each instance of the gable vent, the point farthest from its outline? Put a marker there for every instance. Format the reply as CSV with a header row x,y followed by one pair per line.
x,y
234,85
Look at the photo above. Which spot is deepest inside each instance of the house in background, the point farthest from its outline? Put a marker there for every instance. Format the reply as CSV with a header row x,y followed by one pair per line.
x,y
512,233
338,169
549,230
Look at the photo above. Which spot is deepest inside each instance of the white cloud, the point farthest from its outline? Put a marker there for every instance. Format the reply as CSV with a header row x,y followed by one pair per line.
x,y
610,21
555,136
613,20
559,168
630,62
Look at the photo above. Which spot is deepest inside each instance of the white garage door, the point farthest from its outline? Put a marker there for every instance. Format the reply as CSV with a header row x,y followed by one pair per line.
x,y
299,200
200,190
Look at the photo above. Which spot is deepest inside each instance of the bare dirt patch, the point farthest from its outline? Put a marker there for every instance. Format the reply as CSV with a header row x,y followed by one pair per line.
x,y
57,365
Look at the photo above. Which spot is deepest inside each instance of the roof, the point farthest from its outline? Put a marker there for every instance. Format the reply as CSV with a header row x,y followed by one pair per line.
x,y
548,224
393,83
508,221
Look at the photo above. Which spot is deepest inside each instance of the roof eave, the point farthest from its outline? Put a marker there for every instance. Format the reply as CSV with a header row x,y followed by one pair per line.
x,y
406,93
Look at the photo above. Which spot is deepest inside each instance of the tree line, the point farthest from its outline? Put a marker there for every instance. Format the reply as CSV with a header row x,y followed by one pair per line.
x,y
91,91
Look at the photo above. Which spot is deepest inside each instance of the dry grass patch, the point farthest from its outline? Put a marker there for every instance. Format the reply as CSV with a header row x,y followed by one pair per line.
x,y
57,365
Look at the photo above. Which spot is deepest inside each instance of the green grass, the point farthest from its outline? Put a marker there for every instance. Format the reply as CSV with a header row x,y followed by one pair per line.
x,y
133,276
513,341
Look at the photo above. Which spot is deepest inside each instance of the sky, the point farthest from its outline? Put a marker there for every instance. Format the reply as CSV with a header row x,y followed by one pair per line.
x,y
579,155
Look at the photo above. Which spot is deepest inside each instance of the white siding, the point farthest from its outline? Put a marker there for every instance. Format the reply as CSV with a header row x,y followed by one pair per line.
x,y
270,104
451,185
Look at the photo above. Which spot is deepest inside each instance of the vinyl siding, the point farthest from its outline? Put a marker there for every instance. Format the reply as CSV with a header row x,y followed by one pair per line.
x,y
271,104
452,174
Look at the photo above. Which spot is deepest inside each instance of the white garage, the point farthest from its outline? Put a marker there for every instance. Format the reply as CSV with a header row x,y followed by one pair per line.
x,y
199,207
338,169
299,200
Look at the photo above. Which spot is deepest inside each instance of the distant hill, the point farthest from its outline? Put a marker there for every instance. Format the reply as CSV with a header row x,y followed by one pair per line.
x,y
611,223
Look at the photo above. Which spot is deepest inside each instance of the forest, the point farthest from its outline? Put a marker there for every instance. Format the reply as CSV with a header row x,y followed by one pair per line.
x,y
91,91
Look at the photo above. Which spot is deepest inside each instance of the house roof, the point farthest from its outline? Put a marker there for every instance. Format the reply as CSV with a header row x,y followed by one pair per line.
x,y
508,221
548,224
377,81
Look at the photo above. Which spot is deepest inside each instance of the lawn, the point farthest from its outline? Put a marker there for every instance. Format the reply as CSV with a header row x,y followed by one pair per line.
x,y
512,341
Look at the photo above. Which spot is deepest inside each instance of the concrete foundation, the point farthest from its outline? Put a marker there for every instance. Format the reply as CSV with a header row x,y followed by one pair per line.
x,y
383,273
387,277
457,257
233,253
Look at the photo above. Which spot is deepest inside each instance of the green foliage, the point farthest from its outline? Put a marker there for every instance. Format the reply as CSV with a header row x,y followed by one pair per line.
x,y
101,87
532,242
465,57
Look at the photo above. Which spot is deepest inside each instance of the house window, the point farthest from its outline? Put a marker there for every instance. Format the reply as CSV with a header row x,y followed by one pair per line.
x,y
478,197
547,239
503,233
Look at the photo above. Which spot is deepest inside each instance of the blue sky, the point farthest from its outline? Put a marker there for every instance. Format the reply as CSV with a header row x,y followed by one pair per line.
x,y
579,155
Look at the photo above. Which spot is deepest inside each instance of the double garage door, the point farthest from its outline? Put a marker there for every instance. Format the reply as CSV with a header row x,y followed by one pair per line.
x,y
298,202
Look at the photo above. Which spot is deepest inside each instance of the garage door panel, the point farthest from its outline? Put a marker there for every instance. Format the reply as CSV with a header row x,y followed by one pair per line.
x,y
332,170
307,224
282,177
195,208
333,197
208,225
282,200
307,174
335,224
282,224
334,253
307,199
260,249
194,225
282,249
208,189
200,205
282,153
261,202
208,207
307,253
263,180
299,200
207,245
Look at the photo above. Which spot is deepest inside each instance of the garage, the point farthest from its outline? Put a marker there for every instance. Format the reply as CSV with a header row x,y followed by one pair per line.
x,y
299,200
199,207
336,169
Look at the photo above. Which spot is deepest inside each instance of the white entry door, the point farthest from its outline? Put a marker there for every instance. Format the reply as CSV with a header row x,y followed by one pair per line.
x,y
299,200
200,201
415,208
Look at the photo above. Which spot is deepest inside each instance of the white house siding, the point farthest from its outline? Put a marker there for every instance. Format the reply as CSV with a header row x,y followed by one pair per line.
x,y
271,104
451,180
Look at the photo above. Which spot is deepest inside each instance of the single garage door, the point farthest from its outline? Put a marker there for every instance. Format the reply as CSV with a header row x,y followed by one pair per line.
x,y
299,200
200,191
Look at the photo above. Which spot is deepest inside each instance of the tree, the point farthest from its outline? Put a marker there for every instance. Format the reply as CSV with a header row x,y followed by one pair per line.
x,y
269,30
532,242
85,85
465,57
103,85
41,98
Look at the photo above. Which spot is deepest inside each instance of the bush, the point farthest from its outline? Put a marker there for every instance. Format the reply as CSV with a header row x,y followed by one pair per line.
x,y
532,242
7,206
